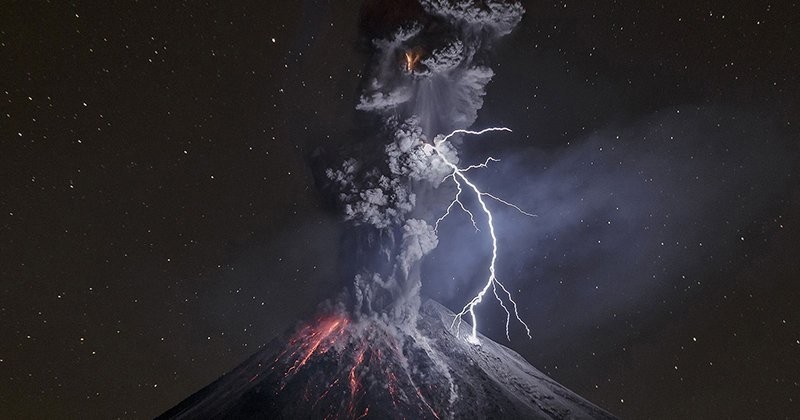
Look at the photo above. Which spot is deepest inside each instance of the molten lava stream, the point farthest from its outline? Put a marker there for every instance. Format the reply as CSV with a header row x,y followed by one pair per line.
x,y
354,384
312,340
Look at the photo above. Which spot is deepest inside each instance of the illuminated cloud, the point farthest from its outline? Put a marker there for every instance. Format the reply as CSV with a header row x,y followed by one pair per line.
x,y
417,100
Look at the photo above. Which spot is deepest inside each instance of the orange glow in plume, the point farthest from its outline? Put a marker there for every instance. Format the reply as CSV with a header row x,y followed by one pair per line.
x,y
412,59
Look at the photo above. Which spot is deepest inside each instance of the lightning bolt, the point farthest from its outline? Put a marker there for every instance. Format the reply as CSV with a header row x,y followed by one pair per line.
x,y
459,177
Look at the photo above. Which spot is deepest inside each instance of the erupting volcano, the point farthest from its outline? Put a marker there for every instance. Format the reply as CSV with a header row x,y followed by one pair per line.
x,y
337,368
380,353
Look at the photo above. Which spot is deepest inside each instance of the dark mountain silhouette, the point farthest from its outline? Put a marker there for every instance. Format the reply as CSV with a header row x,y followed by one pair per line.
x,y
339,368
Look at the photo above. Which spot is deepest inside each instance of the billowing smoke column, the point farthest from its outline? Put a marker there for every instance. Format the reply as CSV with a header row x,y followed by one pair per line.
x,y
374,353
426,86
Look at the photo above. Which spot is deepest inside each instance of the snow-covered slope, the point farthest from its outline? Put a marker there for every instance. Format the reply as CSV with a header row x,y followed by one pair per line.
x,y
335,367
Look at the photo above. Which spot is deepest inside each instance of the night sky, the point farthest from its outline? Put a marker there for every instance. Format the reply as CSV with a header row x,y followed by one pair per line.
x,y
160,218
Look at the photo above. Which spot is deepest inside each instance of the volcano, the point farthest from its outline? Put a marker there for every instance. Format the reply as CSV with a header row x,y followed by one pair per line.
x,y
337,367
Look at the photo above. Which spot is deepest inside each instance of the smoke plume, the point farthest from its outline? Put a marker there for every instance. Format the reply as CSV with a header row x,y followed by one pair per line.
x,y
428,76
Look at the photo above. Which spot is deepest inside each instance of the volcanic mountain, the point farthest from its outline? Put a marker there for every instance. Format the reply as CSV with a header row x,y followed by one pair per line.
x,y
337,367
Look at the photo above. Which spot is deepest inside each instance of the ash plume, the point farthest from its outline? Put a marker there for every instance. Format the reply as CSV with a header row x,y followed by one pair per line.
x,y
428,76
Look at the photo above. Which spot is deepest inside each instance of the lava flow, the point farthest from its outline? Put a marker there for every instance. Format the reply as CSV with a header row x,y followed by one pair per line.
x,y
311,340
334,362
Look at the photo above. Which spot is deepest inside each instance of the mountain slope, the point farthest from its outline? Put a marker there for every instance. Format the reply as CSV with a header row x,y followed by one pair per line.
x,y
336,367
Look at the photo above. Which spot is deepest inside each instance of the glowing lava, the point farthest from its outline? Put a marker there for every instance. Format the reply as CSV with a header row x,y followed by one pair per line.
x,y
412,59
312,340
335,340
459,177
354,383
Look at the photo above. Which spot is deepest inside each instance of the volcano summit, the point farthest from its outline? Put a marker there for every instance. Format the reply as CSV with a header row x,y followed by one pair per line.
x,y
338,368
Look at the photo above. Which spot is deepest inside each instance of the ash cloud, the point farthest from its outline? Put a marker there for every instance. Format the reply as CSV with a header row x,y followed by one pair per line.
x,y
496,17
445,90
428,76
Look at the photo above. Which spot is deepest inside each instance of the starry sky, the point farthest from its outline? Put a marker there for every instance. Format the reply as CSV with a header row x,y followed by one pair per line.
x,y
160,218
